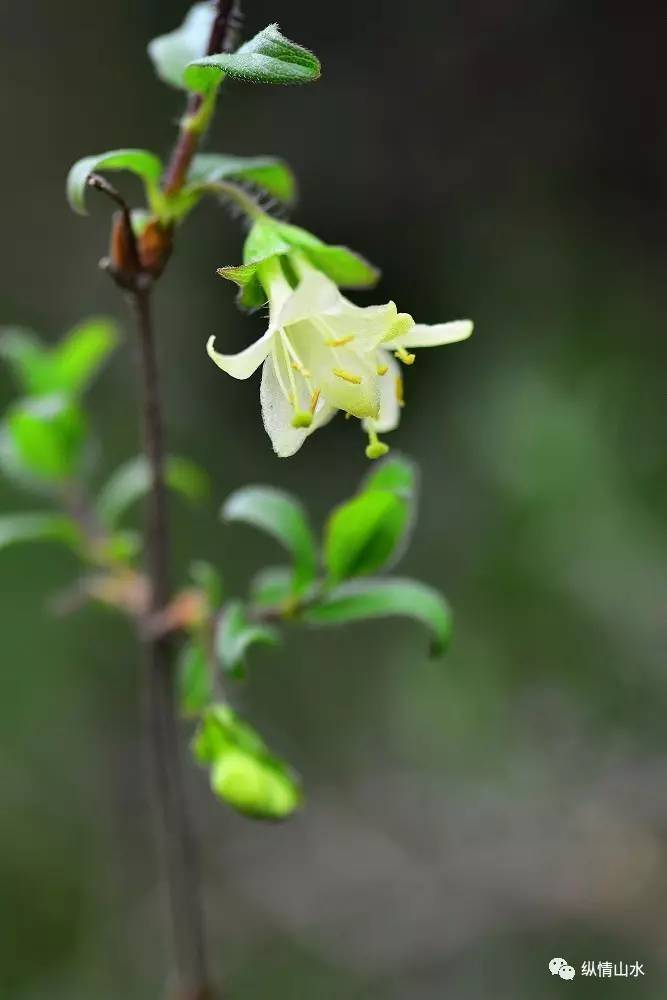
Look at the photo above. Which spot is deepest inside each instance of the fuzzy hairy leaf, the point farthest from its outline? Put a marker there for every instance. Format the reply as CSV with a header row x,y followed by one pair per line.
x,y
269,57
344,266
145,165
266,172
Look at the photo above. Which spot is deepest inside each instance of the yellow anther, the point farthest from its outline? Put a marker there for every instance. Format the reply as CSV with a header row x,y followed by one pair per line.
x,y
298,367
404,356
313,400
340,342
399,391
302,418
347,376
382,369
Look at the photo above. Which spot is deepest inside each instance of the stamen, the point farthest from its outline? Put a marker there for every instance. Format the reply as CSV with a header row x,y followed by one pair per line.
x,y
302,418
298,367
382,369
340,342
404,356
399,391
375,447
314,400
347,376
293,398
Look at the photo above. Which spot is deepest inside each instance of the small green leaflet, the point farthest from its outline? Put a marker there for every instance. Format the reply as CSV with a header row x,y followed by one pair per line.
x,y
171,53
68,366
363,534
194,679
362,599
243,772
344,266
281,516
270,238
272,588
269,57
396,474
46,527
47,436
145,165
234,636
266,172
132,481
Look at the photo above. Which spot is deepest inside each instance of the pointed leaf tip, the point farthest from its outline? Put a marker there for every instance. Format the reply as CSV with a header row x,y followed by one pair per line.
x,y
269,57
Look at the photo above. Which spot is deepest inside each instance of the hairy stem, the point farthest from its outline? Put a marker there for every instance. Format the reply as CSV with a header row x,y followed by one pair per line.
x,y
177,843
221,40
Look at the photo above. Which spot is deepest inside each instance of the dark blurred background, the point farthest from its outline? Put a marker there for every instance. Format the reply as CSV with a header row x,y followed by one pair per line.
x,y
471,818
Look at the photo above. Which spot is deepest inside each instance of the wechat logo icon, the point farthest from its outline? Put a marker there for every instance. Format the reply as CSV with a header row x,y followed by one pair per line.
x,y
559,967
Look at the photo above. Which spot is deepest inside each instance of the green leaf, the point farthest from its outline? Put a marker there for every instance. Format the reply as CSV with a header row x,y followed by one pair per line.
x,y
347,268
194,679
269,57
45,527
207,578
281,516
235,635
266,172
261,787
132,481
220,728
171,53
145,165
397,474
263,241
251,293
243,772
362,535
121,547
362,599
47,436
67,367
272,587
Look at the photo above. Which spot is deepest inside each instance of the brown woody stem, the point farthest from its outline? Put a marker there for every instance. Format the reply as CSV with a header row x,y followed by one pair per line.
x,y
177,842
220,40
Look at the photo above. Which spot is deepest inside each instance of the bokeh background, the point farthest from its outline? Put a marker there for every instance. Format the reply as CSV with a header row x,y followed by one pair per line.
x,y
468,819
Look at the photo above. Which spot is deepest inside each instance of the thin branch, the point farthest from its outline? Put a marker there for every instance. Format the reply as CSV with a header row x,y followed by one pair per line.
x,y
175,829
222,39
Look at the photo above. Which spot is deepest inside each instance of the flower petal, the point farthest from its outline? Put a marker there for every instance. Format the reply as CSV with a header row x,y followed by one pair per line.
x,y
369,325
314,294
277,414
390,408
424,335
346,379
245,363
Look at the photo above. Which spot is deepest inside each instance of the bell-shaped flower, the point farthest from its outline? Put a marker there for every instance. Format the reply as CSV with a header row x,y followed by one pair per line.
x,y
321,353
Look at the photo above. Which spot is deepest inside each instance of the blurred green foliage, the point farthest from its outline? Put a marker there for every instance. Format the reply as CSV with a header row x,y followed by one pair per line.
x,y
471,819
